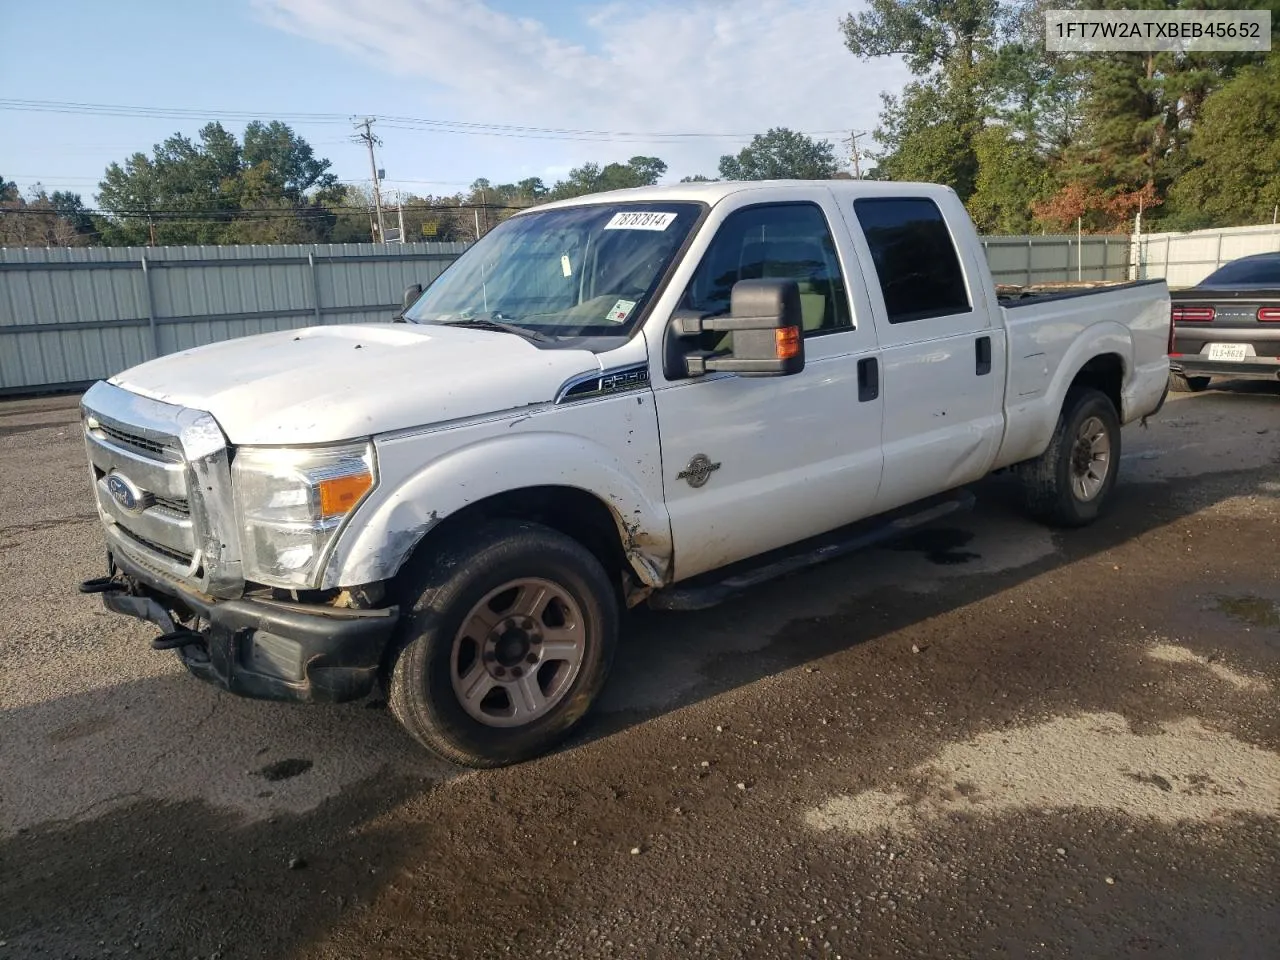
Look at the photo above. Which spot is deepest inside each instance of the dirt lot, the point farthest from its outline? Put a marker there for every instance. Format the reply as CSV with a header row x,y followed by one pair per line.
x,y
988,740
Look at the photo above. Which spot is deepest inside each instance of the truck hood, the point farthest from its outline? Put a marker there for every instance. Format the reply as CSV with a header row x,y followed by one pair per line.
x,y
322,384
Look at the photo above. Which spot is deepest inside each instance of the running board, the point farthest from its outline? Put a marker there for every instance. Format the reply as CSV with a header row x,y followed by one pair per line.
x,y
711,589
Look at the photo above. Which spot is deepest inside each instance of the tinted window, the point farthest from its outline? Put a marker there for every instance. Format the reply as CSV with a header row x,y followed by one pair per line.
x,y
915,259
1261,271
779,241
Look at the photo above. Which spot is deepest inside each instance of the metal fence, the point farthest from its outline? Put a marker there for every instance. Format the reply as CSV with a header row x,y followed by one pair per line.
x,y
69,316
1043,259
1184,259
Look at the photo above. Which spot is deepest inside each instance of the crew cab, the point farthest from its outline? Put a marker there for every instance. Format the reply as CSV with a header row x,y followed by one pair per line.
x,y
657,395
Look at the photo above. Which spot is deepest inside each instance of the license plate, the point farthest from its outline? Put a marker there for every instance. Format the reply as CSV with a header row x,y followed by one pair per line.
x,y
1228,351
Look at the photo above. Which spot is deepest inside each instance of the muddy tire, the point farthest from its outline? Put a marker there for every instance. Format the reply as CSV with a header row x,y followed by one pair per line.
x,y
1179,383
508,639
1070,484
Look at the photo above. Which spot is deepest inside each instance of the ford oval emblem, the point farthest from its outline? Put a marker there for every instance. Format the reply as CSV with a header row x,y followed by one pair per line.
x,y
124,493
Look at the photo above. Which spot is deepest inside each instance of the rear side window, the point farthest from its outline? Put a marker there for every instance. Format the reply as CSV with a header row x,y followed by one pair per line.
x,y
914,256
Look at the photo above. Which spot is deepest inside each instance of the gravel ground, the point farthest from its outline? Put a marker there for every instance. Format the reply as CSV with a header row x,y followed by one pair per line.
x,y
986,740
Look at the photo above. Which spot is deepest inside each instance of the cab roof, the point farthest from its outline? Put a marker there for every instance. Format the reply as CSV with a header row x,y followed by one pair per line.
x,y
712,192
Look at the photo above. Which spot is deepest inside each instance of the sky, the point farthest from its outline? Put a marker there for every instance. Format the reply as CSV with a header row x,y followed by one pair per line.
x,y
599,81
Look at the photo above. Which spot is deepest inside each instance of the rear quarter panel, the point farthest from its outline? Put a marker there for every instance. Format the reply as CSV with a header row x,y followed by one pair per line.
x,y
1050,342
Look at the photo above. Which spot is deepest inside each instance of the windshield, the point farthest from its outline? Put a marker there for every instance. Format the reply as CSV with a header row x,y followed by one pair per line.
x,y
1264,270
583,271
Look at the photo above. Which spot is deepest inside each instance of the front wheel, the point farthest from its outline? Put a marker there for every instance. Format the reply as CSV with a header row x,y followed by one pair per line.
x,y
508,643
1070,484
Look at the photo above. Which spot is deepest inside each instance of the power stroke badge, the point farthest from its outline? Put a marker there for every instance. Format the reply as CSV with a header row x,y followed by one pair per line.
x,y
699,470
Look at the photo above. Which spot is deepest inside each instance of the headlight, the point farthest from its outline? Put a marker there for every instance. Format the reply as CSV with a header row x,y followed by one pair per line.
x,y
291,502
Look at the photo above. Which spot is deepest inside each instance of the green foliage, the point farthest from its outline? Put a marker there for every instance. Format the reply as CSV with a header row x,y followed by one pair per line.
x,y
781,154
1009,172
593,178
1235,154
1033,139
41,219
273,189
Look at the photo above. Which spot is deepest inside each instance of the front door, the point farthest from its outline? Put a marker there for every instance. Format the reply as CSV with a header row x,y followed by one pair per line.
x,y
753,463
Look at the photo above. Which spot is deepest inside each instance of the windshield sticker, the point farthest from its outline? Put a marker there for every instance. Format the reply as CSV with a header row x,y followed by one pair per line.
x,y
640,220
621,310
565,266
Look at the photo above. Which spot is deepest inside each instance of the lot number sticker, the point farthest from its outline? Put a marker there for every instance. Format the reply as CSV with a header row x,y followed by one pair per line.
x,y
640,220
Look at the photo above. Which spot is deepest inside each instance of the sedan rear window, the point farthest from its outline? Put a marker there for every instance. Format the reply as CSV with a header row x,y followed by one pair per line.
x,y
1263,272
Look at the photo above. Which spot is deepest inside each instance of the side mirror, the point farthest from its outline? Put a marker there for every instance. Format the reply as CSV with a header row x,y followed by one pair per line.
x,y
411,293
766,322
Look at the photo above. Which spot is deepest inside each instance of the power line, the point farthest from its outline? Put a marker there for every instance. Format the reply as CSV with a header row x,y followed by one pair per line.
x,y
397,122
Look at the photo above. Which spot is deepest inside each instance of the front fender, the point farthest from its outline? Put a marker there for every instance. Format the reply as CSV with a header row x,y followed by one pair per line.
x,y
388,526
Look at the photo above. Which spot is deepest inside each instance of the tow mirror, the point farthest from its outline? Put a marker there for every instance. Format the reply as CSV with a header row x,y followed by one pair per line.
x,y
766,322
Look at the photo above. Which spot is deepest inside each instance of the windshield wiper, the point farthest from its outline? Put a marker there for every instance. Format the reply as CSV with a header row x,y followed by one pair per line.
x,y
487,323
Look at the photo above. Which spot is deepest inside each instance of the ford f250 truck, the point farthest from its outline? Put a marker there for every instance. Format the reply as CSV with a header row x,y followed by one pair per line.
x,y
658,395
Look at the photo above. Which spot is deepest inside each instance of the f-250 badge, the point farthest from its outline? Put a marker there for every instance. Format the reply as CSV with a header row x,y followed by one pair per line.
x,y
699,470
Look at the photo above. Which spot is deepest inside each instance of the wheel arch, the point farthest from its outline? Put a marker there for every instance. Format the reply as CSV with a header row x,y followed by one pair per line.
x,y
567,482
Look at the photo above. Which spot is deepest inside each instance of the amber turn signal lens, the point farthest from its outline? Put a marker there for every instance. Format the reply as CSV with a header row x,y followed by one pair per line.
x,y
340,494
787,340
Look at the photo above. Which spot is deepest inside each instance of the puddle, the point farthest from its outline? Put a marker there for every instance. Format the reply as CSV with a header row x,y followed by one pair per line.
x,y
284,769
1184,772
939,545
1255,611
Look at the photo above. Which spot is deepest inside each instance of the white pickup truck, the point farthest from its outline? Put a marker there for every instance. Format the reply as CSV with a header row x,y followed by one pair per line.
x,y
659,395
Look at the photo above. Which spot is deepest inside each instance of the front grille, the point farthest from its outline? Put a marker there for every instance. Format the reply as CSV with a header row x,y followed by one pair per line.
x,y
177,505
161,510
138,443
160,548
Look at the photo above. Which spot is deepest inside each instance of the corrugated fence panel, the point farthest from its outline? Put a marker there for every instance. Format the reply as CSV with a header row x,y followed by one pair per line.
x,y
1184,259
72,315
1041,259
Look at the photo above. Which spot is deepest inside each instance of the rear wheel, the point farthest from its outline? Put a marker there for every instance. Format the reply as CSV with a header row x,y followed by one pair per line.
x,y
508,643
1184,384
1070,484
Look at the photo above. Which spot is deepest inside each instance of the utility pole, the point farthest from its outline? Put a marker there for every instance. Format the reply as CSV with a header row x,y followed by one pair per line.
x,y
368,139
855,155
400,214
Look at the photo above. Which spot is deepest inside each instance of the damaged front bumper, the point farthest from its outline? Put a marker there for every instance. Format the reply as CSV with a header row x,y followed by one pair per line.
x,y
266,649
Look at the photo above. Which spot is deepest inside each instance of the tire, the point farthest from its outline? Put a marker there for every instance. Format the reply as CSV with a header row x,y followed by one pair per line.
x,y
1181,383
1058,486
466,626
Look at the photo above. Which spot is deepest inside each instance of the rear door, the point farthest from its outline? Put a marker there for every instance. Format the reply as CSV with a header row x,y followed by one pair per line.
x,y
754,463
943,358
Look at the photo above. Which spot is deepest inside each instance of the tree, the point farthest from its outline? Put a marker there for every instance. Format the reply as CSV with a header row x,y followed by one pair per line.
x,y
781,154
271,189
593,178
1010,176
951,47
39,219
1235,152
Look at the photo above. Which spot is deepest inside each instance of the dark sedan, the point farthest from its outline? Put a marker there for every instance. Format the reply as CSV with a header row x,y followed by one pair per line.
x,y
1228,325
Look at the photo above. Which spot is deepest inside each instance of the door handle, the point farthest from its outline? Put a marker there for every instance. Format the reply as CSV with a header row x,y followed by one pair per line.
x,y
868,379
982,349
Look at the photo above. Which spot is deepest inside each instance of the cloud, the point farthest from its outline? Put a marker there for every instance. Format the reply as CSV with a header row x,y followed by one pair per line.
x,y
703,66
